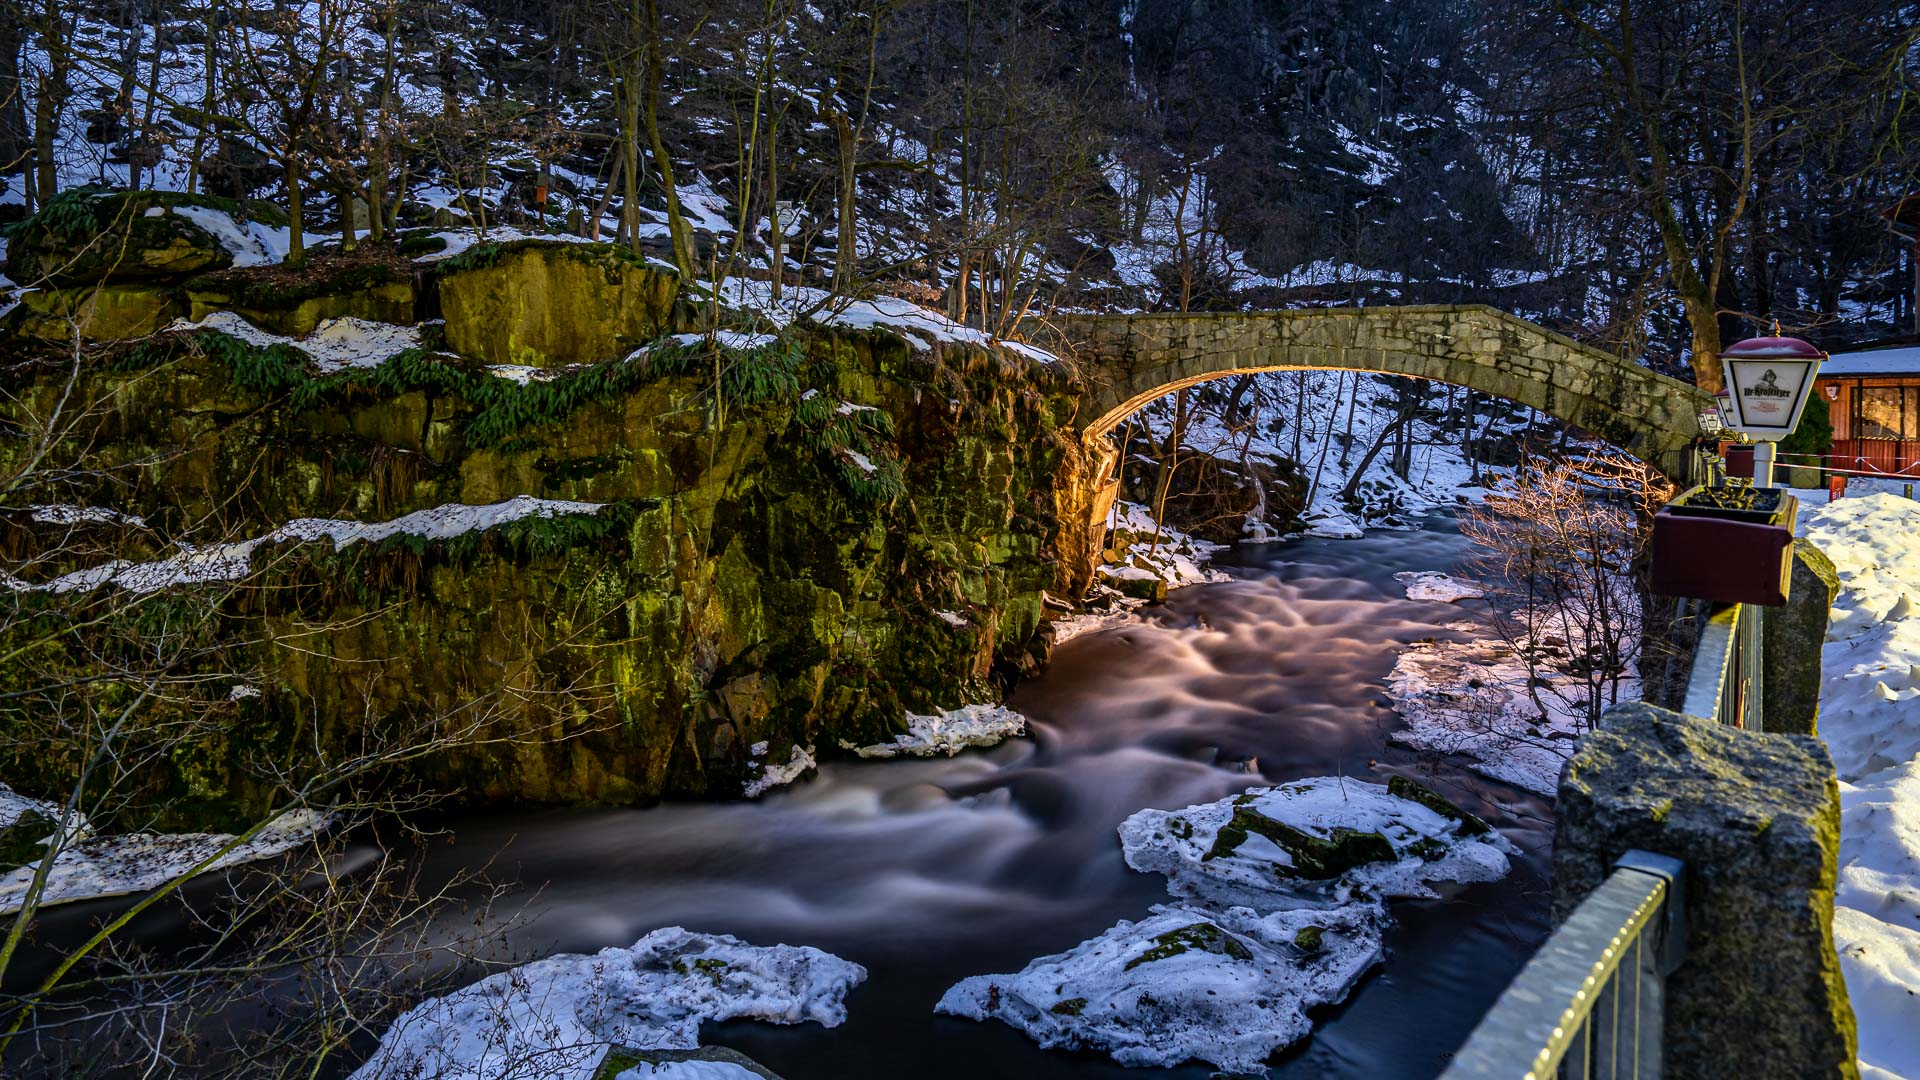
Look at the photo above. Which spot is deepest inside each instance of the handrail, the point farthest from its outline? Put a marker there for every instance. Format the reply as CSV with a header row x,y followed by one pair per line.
x,y
1724,683
1590,1001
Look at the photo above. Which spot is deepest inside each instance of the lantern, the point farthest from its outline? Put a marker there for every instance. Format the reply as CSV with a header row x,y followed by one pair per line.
x,y
1769,380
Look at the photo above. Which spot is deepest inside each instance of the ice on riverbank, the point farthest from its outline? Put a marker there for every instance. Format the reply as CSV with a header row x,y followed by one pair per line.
x,y
1870,719
1434,585
1226,987
1324,840
799,760
555,1018
949,732
92,865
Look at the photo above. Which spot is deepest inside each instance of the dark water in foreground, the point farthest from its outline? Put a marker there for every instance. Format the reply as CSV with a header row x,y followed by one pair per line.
x,y
930,871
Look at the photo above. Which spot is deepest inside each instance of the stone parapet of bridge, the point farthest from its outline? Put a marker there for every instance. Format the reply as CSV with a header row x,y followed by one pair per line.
x,y
1129,360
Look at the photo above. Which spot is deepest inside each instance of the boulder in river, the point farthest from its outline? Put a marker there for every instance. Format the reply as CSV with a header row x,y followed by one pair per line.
x,y
1314,841
1228,987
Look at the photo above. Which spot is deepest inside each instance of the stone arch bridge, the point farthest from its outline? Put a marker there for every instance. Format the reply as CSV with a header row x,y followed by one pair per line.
x,y
1129,360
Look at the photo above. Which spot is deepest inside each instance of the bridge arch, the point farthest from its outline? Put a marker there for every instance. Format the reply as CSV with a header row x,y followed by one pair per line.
x,y
1130,360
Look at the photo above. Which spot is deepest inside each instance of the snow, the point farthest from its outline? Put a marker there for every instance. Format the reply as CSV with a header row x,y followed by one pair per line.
x,y
554,1018
688,1070
460,240
949,732
1870,719
731,340
1227,987
250,243
231,561
1227,972
1434,585
919,327
68,514
1473,698
334,345
773,776
1176,558
1251,869
92,865
1870,699
1903,361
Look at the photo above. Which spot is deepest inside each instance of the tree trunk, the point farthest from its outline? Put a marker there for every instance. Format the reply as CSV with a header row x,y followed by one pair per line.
x,y
845,246
677,230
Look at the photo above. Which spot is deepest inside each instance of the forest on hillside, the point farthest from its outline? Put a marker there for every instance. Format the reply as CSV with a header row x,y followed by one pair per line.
x,y
1652,177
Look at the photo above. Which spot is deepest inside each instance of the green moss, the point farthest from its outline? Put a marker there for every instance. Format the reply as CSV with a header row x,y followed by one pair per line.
x,y
1203,936
1309,939
1314,858
1413,791
268,288
502,407
1069,1007
21,842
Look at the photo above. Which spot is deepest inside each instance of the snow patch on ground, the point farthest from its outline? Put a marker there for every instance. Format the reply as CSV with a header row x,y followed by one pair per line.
x,y
920,327
1870,719
91,865
334,345
460,240
1434,585
250,243
949,732
1152,551
555,1018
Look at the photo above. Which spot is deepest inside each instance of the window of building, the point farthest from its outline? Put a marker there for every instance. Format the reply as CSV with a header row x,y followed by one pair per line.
x,y
1887,412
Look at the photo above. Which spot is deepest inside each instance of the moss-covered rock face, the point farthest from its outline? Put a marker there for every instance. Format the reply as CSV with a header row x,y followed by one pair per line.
x,y
106,312
81,237
745,581
551,304
293,301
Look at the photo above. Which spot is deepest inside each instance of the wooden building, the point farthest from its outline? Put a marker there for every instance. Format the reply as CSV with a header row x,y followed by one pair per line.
x,y
1873,396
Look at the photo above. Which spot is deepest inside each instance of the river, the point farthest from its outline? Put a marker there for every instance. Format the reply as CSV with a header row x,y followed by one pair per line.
x,y
929,871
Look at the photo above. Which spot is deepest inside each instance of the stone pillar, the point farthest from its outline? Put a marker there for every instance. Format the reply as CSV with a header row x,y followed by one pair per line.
x,y
1790,640
1756,818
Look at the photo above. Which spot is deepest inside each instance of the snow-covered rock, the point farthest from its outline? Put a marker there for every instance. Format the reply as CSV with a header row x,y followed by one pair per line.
x,y
1228,987
949,732
918,326
334,345
1434,585
773,776
555,1018
1318,841
232,561
1150,551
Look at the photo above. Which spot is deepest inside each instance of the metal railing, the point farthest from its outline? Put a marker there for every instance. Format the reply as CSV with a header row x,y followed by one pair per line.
x,y
1723,683
1590,1004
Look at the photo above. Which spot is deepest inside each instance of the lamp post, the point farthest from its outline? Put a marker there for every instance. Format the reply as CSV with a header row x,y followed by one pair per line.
x,y
1769,380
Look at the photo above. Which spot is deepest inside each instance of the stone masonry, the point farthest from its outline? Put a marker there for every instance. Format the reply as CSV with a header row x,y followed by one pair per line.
x,y
1129,360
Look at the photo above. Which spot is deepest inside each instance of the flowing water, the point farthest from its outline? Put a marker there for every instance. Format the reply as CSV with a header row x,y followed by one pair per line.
x,y
930,871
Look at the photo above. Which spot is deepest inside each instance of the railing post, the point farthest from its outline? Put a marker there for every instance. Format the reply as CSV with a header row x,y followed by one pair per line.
x,y
1756,817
